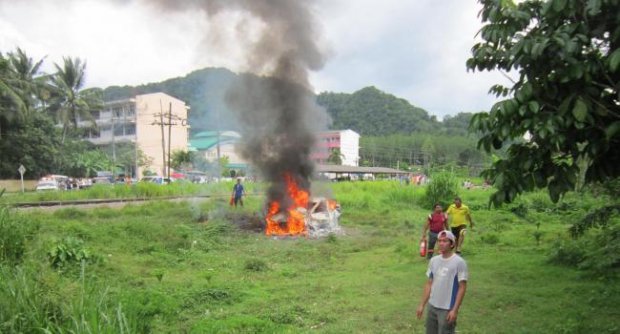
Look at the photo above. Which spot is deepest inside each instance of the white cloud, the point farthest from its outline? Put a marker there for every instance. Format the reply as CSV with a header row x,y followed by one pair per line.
x,y
413,49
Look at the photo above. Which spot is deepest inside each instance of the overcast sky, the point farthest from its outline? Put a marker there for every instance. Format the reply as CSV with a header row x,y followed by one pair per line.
x,y
414,49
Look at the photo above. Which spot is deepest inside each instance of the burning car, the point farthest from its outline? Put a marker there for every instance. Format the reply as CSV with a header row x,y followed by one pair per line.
x,y
322,218
316,217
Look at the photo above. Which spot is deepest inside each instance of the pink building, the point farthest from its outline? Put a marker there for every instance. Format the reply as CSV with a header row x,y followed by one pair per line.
x,y
347,141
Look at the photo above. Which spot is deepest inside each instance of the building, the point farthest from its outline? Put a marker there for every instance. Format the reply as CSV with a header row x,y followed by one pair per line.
x,y
150,121
329,142
346,141
209,143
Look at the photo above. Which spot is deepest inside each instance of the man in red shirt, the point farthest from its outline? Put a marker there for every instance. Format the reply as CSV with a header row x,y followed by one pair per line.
x,y
436,222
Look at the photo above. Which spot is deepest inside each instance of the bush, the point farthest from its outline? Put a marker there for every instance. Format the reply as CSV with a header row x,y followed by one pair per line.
x,y
442,189
68,252
597,251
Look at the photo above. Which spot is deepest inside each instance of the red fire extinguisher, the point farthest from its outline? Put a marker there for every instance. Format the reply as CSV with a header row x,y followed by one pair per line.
x,y
423,248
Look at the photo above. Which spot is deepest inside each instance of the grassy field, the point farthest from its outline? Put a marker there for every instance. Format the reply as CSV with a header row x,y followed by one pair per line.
x,y
199,267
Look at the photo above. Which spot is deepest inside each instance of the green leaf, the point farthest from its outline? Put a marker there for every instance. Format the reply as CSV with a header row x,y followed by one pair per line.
x,y
565,104
580,110
534,106
524,93
593,7
612,130
558,5
614,60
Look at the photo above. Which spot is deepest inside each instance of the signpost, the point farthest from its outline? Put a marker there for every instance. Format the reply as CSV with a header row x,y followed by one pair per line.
x,y
21,171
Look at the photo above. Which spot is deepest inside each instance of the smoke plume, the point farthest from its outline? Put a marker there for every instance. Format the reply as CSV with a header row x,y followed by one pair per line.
x,y
276,110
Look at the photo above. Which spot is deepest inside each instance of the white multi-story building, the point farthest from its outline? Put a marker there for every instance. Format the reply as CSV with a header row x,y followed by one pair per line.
x,y
154,122
347,141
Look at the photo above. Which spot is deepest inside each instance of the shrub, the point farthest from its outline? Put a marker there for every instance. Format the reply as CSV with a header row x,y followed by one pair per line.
x,y
597,251
599,217
442,189
68,252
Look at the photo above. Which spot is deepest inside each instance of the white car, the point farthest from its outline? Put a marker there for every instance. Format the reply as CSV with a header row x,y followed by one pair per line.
x,y
47,185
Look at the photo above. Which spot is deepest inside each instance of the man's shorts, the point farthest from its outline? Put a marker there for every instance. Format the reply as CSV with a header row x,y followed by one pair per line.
x,y
458,230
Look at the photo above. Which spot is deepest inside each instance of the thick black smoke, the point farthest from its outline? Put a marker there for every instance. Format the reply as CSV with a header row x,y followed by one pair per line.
x,y
277,112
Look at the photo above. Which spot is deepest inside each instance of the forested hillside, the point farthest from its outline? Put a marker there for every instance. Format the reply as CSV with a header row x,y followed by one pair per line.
x,y
369,111
372,112
394,132
204,90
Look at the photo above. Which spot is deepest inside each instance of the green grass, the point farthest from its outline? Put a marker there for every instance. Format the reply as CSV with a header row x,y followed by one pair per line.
x,y
161,269
122,191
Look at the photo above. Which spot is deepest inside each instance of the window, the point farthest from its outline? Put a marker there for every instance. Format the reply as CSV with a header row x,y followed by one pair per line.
x,y
117,112
118,130
132,110
94,133
130,129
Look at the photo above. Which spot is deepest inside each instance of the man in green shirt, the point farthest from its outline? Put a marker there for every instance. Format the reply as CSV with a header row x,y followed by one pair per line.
x,y
459,216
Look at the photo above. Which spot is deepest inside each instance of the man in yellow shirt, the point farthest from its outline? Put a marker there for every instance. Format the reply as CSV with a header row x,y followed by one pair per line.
x,y
459,216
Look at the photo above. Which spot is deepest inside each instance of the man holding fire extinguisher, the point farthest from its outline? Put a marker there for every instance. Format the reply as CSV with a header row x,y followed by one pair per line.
x,y
436,222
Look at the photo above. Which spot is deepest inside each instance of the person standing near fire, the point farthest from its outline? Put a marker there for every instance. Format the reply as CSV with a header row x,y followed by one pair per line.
x,y
445,288
459,215
436,222
238,192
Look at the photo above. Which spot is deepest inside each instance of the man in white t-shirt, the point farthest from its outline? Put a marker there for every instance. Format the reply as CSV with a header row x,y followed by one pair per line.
x,y
444,291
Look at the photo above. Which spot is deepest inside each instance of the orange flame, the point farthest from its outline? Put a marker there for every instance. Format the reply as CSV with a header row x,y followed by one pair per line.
x,y
294,223
332,204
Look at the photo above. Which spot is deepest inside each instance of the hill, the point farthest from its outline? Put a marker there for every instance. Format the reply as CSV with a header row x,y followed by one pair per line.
x,y
369,111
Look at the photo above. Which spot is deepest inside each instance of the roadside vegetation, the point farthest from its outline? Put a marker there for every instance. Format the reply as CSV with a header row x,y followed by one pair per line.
x,y
196,267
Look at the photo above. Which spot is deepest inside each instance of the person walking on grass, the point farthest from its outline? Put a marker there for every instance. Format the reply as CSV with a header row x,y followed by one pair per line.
x,y
238,192
459,215
436,222
445,288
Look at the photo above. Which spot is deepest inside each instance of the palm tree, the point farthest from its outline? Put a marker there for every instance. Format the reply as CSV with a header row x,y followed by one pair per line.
x,y
69,102
28,79
335,157
12,103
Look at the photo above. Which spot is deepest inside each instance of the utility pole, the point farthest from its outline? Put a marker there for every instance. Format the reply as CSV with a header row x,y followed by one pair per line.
x,y
113,142
162,122
163,140
169,137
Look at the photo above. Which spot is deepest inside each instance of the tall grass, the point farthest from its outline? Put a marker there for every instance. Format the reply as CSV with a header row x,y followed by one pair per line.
x,y
169,267
15,230
123,191
28,304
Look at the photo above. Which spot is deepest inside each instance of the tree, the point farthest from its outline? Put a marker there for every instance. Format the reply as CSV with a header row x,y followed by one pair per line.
x,y
335,157
12,102
29,81
70,102
181,159
33,142
564,101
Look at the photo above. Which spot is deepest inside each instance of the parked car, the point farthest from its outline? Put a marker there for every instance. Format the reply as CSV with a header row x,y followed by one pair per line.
x,y
155,179
47,184
101,180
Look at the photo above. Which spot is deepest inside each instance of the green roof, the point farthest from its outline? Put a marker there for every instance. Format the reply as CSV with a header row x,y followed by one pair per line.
x,y
207,139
